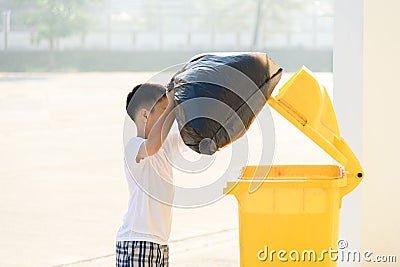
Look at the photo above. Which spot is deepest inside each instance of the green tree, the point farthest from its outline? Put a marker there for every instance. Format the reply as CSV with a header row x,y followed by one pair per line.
x,y
55,19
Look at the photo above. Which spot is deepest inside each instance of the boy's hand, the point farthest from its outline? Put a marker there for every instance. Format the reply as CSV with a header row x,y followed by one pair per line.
x,y
170,96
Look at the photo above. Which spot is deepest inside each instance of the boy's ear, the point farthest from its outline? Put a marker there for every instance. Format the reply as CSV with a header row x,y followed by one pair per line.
x,y
143,114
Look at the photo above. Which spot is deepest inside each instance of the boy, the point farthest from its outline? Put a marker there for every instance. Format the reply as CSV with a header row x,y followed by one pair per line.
x,y
142,239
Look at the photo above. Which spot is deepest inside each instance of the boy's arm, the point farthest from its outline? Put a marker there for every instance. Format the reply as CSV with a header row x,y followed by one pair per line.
x,y
159,131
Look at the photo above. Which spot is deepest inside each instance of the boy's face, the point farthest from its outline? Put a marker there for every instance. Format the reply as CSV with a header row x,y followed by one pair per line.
x,y
156,112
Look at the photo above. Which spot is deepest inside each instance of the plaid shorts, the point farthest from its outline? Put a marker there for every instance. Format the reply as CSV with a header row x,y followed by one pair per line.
x,y
141,254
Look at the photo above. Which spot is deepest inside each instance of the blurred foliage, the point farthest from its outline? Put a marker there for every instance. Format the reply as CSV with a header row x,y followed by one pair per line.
x,y
54,19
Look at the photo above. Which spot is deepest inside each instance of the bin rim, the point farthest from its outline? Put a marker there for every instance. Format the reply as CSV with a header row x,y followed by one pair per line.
x,y
281,176
292,172
234,187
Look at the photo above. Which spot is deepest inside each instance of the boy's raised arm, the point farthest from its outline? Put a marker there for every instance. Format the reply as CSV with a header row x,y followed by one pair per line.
x,y
159,131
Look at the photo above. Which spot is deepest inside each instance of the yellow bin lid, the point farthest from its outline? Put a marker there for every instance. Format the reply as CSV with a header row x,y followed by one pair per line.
x,y
304,102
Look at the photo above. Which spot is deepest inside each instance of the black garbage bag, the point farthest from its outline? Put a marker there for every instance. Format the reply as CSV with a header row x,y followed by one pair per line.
x,y
217,97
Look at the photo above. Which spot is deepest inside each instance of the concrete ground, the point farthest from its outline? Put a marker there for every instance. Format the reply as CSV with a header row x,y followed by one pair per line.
x,y
62,186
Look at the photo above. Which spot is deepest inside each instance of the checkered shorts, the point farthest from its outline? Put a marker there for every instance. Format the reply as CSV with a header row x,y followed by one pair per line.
x,y
141,254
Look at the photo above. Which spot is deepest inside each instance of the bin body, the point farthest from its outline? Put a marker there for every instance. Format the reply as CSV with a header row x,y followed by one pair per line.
x,y
294,209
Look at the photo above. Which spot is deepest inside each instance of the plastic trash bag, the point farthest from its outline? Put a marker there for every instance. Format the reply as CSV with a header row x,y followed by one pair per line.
x,y
217,97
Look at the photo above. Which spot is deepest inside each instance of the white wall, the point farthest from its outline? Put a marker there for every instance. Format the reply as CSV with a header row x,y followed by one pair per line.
x,y
367,101
381,131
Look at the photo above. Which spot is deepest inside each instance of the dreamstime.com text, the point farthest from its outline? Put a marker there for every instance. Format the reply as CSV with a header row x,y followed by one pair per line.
x,y
342,254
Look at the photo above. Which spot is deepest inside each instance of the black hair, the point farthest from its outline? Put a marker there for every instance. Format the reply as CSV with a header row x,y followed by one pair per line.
x,y
144,95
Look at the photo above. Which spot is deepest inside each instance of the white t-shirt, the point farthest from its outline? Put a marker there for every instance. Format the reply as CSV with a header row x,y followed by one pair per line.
x,y
151,191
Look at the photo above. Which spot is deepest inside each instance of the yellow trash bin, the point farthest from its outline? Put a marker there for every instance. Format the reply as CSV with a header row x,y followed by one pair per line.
x,y
289,214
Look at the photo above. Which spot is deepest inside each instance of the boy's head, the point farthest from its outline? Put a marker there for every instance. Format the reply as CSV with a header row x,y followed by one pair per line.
x,y
145,104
